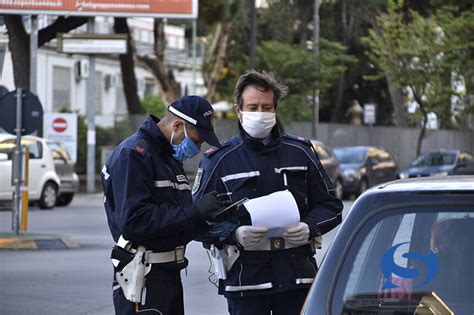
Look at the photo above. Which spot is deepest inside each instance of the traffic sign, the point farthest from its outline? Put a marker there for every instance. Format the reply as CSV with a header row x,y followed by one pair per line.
x,y
59,124
32,113
369,113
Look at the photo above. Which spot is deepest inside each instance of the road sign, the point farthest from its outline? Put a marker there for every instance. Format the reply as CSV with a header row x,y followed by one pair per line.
x,y
59,124
92,43
369,114
125,8
32,113
62,127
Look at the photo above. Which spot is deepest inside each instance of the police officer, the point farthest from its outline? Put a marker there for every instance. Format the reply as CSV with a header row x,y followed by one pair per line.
x,y
270,275
149,206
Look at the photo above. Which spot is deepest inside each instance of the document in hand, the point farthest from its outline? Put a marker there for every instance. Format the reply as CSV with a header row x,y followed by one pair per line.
x,y
277,211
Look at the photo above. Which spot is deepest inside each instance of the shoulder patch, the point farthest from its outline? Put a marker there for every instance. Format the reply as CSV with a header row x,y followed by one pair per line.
x,y
297,138
141,146
213,150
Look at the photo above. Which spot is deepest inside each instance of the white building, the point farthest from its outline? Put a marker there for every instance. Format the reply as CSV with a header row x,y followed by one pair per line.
x,y
62,78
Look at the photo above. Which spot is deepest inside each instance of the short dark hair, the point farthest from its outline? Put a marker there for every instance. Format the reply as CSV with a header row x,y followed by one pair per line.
x,y
262,81
170,118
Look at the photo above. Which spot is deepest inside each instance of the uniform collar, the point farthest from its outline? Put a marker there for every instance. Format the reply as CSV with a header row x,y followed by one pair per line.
x,y
256,144
158,138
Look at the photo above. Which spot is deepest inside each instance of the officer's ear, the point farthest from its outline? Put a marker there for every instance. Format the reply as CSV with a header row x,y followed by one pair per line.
x,y
238,111
177,125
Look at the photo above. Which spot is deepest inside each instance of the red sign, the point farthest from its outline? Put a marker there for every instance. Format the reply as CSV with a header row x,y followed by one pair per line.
x,y
127,8
59,124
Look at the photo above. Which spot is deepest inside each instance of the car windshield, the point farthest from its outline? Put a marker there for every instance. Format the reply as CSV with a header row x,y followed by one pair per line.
x,y
58,151
409,261
435,159
351,155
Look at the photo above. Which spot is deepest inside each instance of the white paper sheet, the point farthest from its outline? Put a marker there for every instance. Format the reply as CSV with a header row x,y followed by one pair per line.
x,y
277,211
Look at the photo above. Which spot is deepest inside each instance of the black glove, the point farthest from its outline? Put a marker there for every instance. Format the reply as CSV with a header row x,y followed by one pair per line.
x,y
210,203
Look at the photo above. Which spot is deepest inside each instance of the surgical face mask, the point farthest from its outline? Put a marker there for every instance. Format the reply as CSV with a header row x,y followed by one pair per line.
x,y
258,124
186,149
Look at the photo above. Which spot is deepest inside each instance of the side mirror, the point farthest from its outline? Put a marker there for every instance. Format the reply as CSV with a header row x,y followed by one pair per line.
x,y
3,157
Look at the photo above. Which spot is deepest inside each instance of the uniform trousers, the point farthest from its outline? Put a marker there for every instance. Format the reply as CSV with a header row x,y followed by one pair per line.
x,y
284,303
163,295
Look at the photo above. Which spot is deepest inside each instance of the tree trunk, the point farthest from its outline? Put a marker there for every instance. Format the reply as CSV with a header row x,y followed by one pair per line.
x,y
220,60
169,87
127,67
398,105
425,122
19,45
347,27
210,50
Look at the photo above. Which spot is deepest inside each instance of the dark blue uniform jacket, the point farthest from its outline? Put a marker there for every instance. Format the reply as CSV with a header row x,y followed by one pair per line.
x,y
248,168
147,194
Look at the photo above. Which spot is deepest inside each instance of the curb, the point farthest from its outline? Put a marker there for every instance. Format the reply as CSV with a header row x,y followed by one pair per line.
x,y
35,241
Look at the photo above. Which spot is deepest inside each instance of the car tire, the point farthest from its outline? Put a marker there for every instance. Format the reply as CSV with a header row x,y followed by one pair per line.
x,y
49,196
363,186
64,199
338,189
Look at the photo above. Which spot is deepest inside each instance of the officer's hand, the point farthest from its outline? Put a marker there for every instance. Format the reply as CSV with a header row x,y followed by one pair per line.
x,y
248,235
297,235
209,203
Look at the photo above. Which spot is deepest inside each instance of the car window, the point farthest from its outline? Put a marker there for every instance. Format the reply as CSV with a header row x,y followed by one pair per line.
x,y
321,151
7,148
435,159
36,149
401,261
58,152
351,154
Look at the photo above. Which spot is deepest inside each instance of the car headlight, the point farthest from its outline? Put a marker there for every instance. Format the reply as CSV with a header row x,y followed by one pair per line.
x,y
441,174
350,174
403,175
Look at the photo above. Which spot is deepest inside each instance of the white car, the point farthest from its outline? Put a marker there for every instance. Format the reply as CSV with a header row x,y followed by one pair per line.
x,y
43,181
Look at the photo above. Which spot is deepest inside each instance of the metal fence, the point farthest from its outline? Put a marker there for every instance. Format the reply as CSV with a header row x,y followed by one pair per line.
x,y
400,141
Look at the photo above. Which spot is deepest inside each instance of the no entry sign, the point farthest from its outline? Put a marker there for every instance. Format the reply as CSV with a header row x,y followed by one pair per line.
x,y
62,127
59,124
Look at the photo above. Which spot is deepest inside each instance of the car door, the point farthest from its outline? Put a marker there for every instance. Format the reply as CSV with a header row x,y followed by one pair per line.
x,y
36,165
6,171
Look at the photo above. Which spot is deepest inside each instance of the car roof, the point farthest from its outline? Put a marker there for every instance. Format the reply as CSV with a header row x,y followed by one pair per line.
x,y
6,136
433,183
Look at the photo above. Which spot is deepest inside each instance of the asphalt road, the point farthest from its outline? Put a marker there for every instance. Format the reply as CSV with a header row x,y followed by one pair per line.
x,y
78,281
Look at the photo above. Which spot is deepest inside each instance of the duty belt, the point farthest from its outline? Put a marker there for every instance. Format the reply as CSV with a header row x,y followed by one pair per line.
x,y
176,255
273,243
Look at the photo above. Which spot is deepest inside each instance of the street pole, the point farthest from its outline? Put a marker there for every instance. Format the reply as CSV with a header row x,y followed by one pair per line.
x,y
315,112
91,104
33,54
253,35
193,89
17,162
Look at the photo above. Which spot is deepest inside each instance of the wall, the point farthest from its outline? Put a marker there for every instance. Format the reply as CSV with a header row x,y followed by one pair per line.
x,y
400,141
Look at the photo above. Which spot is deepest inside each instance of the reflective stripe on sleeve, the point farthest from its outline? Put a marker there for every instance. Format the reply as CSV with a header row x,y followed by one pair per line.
x,y
240,175
168,183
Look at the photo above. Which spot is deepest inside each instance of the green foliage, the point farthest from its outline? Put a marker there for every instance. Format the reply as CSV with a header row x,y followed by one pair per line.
x,y
154,104
424,55
302,71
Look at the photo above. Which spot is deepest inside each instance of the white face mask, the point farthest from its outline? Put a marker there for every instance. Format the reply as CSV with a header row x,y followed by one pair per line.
x,y
258,124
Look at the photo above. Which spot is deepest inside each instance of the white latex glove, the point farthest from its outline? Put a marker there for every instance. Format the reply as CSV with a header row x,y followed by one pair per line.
x,y
298,234
248,235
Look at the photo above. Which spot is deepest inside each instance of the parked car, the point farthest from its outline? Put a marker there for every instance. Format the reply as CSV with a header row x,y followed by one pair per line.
x,y
364,166
331,165
44,182
405,247
439,163
64,167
